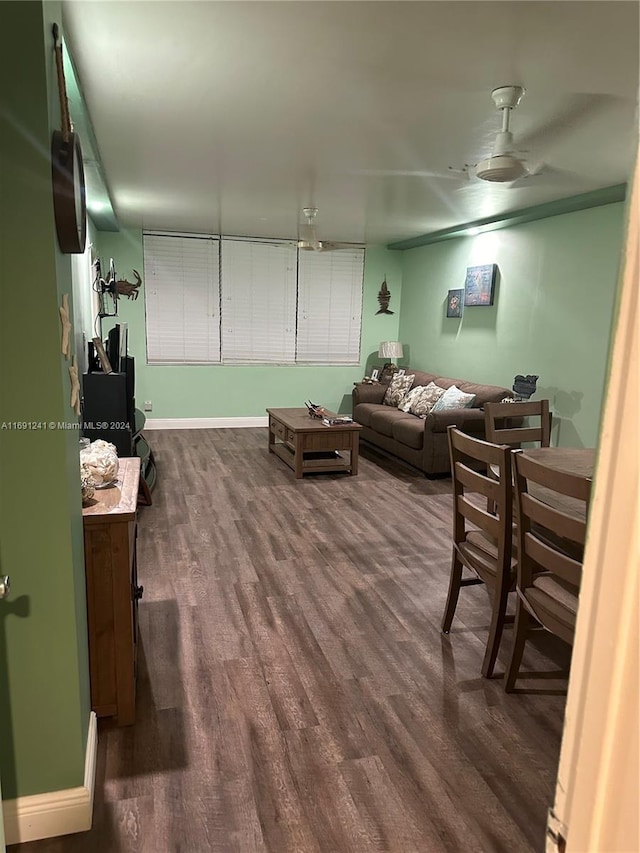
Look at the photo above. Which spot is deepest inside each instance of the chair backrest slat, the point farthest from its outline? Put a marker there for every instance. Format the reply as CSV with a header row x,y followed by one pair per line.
x,y
563,482
554,518
549,558
517,435
477,482
479,516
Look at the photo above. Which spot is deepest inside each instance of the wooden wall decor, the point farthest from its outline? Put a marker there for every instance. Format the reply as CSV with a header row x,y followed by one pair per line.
x,y
65,319
384,297
75,386
129,288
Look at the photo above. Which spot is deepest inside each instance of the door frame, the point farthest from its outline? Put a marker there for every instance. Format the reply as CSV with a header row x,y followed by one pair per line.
x,y
598,776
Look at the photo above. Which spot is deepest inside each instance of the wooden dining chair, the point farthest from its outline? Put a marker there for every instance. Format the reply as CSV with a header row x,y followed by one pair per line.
x,y
551,522
482,542
499,426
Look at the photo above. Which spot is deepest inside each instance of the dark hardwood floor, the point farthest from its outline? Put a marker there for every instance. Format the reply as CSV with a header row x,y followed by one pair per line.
x,y
295,692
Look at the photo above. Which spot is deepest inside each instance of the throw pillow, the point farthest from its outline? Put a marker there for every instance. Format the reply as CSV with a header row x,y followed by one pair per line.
x,y
453,398
419,401
405,404
397,388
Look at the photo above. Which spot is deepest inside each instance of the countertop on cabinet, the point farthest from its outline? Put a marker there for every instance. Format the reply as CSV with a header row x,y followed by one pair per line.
x,y
120,499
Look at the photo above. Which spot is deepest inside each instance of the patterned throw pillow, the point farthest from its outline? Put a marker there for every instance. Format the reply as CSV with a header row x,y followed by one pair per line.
x,y
419,401
405,404
453,398
397,388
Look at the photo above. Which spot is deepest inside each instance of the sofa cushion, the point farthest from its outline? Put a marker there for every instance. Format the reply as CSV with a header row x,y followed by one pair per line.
x,y
409,431
453,398
383,421
363,411
483,393
397,388
419,401
423,378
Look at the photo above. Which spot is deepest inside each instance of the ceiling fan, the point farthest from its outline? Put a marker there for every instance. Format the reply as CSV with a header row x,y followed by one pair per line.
x,y
504,164
308,239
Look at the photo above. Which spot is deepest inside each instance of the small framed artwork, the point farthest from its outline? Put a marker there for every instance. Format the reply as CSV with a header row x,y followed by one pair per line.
x,y
479,285
401,371
455,301
375,375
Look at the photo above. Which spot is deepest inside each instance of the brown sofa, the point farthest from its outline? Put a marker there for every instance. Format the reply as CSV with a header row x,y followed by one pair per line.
x,y
421,442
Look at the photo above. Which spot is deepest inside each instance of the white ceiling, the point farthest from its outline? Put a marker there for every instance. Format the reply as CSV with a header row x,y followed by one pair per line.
x,y
231,116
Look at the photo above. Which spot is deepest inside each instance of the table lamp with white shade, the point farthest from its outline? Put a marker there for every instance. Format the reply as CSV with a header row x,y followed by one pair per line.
x,y
389,350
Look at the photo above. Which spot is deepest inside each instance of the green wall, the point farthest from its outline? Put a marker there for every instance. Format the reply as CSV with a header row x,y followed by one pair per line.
x,y
219,391
44,677
551,315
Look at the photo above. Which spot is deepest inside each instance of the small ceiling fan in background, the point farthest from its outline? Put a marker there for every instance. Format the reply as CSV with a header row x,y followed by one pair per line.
x,y
308,239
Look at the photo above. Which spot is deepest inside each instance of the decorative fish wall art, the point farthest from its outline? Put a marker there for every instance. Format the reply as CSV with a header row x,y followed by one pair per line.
x,y
383,298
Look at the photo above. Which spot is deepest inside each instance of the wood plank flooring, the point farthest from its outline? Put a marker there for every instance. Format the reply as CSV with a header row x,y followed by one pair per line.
x,y
295,692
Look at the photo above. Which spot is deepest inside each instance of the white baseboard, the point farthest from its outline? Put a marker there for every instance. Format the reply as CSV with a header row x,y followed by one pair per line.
x,y
205,423
55,812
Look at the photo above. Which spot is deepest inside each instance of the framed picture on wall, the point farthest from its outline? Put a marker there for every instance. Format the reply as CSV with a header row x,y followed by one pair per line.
x,y
479,285
455,301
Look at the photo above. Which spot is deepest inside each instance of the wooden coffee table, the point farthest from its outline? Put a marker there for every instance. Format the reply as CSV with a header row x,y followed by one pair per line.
x,y
308,445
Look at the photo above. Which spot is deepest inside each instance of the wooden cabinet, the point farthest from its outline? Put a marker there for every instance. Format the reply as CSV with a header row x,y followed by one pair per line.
x,y
110,530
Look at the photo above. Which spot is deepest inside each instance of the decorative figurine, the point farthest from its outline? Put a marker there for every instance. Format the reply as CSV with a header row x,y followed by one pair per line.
x,y
129,288
524,386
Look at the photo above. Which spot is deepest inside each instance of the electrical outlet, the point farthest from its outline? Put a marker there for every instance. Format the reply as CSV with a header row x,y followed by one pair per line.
x,y
148,406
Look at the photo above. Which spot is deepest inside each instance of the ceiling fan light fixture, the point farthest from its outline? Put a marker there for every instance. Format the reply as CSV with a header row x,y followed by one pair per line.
x,y
501,169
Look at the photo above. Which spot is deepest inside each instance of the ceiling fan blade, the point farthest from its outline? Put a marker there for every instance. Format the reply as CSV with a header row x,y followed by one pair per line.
x,y
576,109
329,246
409,173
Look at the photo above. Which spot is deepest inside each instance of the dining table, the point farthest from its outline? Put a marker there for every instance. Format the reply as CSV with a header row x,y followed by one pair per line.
x,y
574,460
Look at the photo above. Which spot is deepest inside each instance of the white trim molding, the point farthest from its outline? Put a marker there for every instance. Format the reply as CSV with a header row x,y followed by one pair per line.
x,y
205,423
55,812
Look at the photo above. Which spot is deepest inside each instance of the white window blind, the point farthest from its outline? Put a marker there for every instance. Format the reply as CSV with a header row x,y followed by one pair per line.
x,y
182,298
330,306
258,301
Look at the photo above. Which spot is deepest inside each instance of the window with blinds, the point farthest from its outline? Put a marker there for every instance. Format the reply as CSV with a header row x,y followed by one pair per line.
x,y
330,306
258,301
182,299
237,300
